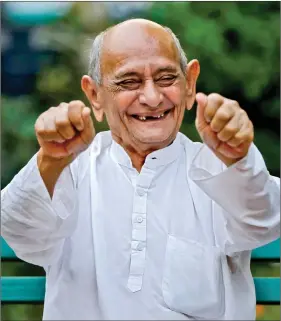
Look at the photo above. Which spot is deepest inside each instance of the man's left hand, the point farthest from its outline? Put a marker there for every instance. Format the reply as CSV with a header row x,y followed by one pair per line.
x,y
224,127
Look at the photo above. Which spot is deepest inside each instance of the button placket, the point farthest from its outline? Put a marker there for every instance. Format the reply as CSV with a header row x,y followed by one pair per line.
x,y
138,245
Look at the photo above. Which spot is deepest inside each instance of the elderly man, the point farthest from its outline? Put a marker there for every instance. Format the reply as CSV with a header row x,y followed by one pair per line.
x,y
140,222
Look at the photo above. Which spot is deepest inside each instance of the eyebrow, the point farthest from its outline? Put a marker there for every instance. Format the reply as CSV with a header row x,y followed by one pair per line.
x,y
166,69
124,74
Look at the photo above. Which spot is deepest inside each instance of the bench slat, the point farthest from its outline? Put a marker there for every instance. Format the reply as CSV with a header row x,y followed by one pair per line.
x,y
22,289
267,290
270,251
31,289
6,252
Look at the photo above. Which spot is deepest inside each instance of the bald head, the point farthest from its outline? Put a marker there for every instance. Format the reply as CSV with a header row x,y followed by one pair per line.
x,y
130,34
135,37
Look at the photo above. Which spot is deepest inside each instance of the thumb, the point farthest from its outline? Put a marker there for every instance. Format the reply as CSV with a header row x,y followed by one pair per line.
x,y
88,133
202,101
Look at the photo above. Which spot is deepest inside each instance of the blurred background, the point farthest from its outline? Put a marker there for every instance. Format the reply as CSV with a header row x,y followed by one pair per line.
x,y
44,52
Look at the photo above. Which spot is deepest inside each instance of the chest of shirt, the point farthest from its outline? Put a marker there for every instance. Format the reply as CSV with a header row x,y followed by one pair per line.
x,y
124,210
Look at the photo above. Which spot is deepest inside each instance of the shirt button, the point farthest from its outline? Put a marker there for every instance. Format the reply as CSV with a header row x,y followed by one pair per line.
x,y
140,192
139,219
140,247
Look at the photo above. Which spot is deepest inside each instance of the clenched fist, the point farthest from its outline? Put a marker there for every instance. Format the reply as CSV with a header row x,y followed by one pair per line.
x,y
65,130
224,127
62,132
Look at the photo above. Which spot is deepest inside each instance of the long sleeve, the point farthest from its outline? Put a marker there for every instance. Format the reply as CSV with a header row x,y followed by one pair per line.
x,y
33,224
247,194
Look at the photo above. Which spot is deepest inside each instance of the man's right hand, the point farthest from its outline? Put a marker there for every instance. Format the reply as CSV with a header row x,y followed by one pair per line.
x,y
65,130
62,132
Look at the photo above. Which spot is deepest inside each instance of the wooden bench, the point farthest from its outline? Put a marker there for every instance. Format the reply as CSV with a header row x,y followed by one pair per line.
x,y
18,289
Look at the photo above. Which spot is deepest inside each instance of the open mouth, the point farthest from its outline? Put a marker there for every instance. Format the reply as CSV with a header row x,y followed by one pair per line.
x,y
150,118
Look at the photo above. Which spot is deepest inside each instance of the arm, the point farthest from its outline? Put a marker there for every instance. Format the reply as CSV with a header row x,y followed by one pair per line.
x,y
248,195
39,206
33,224
241,186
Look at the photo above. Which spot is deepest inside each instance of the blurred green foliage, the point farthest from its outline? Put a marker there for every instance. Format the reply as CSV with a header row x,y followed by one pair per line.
x,y
236,43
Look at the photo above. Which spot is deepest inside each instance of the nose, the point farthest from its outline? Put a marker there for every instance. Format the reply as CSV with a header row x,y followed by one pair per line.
x,y
150,95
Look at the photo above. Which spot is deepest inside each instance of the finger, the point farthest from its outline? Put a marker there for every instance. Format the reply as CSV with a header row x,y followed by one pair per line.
x,y
62,122
244,135
82,141
39,126
222,116
201,105
214,103
88,133
232,127
75,114
45,127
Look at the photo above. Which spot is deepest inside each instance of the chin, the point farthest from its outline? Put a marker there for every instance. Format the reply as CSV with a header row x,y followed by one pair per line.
x,y
156,139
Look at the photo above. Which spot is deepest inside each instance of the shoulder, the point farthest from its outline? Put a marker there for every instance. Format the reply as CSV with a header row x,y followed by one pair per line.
x,y
190,147
200,155
99,145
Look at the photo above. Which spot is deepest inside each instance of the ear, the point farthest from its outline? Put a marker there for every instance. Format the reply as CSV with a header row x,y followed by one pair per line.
x,y
192,74
91,90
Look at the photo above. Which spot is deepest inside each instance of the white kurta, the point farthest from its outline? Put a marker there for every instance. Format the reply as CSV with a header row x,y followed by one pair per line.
x,y
172,242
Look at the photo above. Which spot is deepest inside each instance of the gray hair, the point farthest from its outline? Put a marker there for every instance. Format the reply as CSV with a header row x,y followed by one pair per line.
x,y
95,55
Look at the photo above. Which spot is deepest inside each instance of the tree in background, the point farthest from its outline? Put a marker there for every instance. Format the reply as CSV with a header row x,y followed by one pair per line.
x,y
238,47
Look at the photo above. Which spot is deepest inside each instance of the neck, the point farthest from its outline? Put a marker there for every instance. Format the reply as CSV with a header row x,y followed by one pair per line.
x,y
137,156
137,160
138,153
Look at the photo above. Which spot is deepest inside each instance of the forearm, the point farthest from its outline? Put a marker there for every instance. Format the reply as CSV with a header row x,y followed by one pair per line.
x,y
50,169
33,224
249,196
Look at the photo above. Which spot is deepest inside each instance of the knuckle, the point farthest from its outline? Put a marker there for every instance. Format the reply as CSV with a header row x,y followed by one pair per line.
x,y
243,113
38,126
62,123
214,96
230,130
222,114
76,104
51,130
39,130
208,113
63,105
51,109
243,136
235,103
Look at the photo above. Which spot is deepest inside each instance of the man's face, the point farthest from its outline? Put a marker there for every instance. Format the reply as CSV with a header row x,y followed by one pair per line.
x,y
143,92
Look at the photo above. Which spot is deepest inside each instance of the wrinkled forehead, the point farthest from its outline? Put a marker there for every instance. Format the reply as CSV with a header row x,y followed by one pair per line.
x,y
137,47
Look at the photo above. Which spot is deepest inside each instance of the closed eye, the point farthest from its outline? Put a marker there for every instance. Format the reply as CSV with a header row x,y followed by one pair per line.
x,y
130,84
166,80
